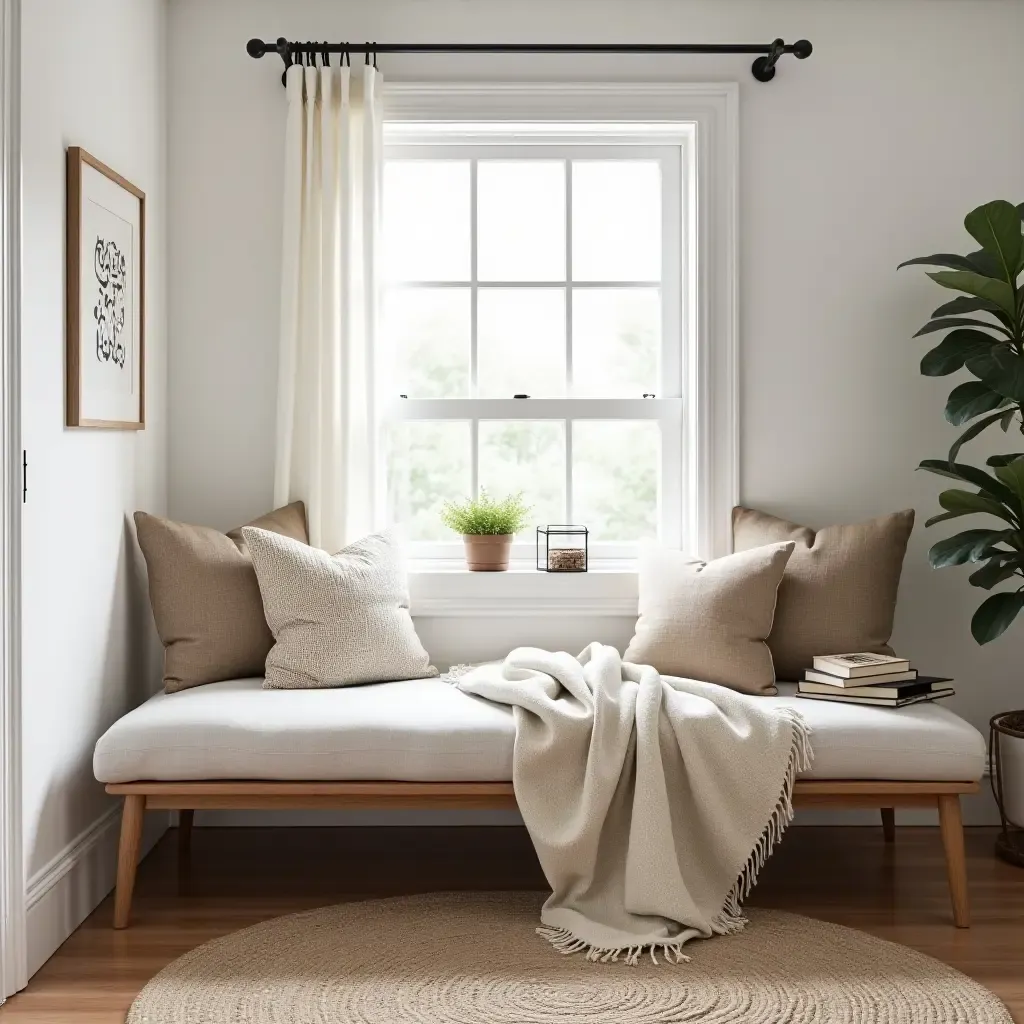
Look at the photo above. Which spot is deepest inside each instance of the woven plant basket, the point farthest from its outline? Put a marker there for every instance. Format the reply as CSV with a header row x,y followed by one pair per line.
x,y
1006,741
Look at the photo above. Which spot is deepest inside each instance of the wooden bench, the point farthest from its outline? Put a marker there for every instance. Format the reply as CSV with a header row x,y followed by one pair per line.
x,y
188,797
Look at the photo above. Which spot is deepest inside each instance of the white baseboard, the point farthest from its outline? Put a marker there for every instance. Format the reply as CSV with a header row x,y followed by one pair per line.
x,y
64,892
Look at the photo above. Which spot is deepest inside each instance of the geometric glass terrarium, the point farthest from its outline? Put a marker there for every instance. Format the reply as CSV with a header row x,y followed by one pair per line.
x,y
562,548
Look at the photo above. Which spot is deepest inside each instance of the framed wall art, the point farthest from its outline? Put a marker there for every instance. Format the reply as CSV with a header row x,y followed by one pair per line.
x,y
106,295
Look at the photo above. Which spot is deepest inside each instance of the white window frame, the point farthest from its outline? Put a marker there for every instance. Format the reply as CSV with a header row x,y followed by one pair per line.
x,y
672,150
707,114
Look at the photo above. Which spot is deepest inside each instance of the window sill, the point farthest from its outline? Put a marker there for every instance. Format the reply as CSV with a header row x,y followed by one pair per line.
x,y
442,589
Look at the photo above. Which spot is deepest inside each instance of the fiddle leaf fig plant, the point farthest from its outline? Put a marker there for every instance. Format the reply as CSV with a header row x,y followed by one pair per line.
x,y
992,351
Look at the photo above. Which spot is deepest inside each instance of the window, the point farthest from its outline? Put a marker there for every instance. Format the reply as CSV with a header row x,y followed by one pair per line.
x,y
572,242
536,329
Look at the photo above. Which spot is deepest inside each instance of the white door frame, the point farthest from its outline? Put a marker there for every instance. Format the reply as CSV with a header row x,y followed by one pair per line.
x,y
13,968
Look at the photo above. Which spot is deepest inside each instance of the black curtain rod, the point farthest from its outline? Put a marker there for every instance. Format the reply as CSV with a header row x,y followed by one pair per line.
x,y
763,68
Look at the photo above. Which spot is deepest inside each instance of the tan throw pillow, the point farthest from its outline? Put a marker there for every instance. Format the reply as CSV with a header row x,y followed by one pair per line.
x,y
839,592
709,620
337,619
206,601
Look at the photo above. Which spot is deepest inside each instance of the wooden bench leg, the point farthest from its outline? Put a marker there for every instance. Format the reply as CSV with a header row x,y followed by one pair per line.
x,y
185,820
889,824
952,828
132,816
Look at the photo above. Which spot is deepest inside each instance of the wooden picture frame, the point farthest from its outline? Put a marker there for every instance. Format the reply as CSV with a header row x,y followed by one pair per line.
x,y
105,297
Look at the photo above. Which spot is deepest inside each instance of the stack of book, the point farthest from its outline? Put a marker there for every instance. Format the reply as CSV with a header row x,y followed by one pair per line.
x,y
870,679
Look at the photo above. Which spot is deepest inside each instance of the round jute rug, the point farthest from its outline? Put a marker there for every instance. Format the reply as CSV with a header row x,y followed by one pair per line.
x,y
475,959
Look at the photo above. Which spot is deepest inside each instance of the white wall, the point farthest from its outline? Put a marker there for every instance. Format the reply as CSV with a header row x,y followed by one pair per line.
x,y
907,115
93,75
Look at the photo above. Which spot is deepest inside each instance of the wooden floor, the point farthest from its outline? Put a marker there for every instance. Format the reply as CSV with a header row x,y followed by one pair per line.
x,y
240,876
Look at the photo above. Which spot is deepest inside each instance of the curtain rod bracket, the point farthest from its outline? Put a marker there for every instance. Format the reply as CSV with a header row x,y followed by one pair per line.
x,y
763,68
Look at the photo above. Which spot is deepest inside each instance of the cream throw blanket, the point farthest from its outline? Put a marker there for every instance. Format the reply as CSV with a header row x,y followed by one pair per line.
x,y
652,802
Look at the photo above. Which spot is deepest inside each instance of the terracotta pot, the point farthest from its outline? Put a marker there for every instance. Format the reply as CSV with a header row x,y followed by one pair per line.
x,y
487,552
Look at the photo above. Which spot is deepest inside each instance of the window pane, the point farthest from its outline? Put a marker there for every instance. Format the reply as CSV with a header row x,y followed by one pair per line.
x,y
615,478
428,464
426,220
521,342
527,456
521,220
428,338
616,336
616,220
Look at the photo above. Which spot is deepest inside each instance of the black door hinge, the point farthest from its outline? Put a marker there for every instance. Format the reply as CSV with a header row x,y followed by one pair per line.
x,y
24,476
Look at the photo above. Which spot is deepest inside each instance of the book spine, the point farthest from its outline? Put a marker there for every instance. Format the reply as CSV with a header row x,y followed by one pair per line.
x,y
842,698
883,690
844,671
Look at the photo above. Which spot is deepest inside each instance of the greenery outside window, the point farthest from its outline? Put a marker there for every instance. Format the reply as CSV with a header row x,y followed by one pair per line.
x,y
547,264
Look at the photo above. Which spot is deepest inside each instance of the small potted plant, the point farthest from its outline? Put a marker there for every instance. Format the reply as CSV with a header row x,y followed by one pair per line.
x,y
487,527
992,352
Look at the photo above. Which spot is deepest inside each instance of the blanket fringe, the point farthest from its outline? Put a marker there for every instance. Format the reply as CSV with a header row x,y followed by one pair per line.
x,y
456,672
731,920
566,943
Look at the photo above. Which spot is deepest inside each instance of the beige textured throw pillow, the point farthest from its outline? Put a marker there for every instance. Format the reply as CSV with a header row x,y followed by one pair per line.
x,y
206,601
337,619
839,591
709,620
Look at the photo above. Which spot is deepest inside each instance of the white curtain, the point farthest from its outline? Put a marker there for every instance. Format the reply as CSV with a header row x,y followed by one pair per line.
x,y
330,300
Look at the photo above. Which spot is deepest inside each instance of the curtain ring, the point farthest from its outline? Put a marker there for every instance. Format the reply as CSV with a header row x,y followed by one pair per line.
x,y
346,57
375,68
325,55
367,54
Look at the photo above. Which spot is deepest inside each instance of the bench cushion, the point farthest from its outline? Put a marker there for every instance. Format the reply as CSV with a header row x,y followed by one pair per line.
x,y
425,730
